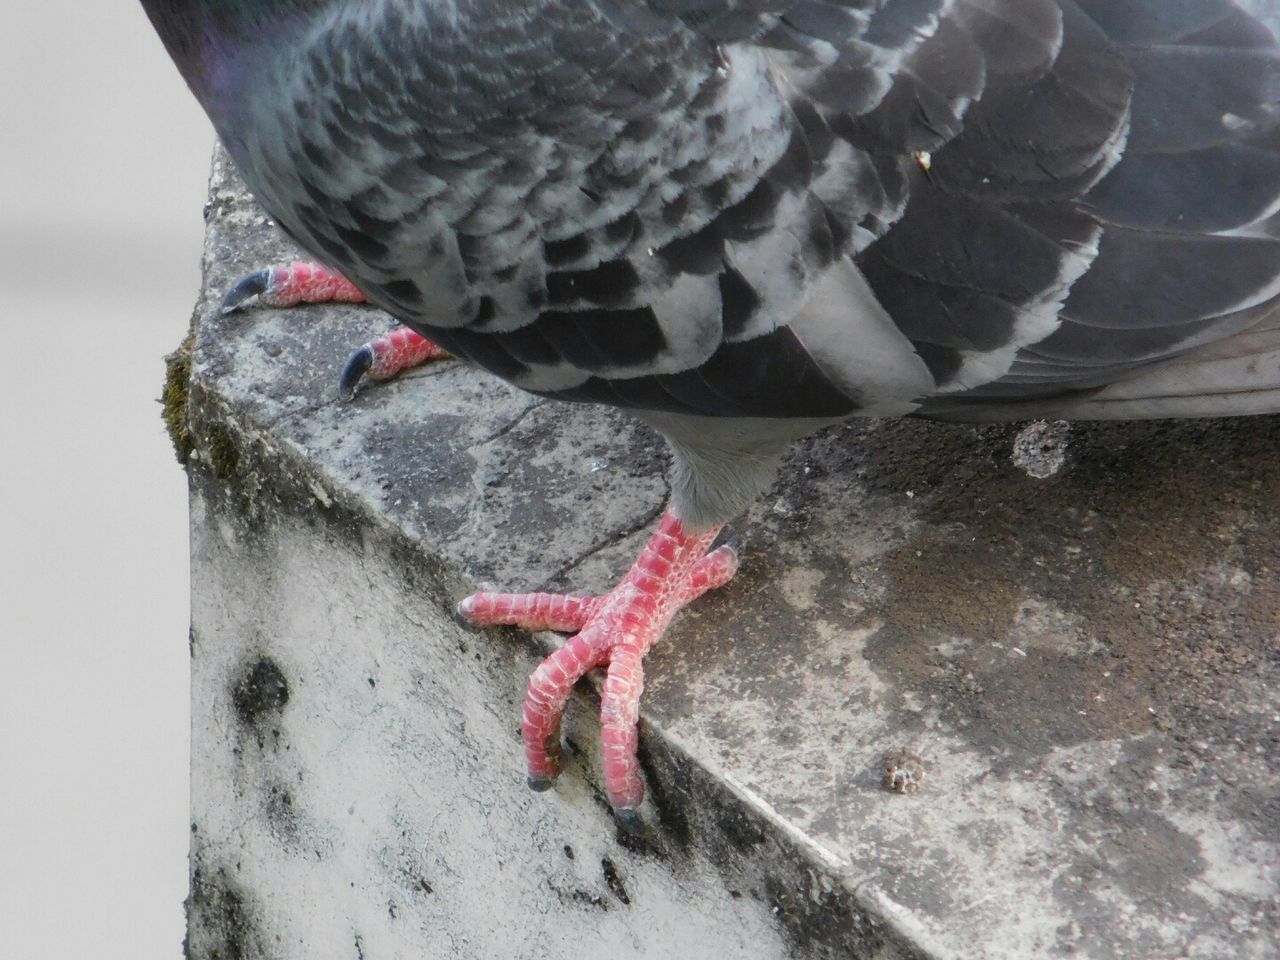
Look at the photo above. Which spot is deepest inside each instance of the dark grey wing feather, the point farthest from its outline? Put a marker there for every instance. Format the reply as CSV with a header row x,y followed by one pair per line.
x,y
1159,190
1187,253
1045,135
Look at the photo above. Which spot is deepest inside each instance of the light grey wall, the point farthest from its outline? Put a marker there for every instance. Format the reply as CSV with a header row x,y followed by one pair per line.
x,y
103,158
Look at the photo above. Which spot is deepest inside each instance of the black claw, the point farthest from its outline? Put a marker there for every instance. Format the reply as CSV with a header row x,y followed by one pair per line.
x,y
733,542
540,784
354,371
629,819
246,288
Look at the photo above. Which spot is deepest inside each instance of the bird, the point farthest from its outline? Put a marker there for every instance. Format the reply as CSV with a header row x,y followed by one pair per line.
x,y
744,220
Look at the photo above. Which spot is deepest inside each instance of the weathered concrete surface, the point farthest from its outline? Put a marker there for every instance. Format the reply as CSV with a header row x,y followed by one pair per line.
x,y
1083,662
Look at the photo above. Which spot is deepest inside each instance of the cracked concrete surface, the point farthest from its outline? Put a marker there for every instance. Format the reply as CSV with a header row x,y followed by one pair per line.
x,y
1086,665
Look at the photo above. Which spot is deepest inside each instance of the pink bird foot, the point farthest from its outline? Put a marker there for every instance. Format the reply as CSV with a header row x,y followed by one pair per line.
x,y
385,356
616,629
285,285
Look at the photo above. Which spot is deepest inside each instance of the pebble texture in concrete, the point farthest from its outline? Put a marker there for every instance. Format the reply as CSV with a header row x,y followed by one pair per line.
x,y
1064,639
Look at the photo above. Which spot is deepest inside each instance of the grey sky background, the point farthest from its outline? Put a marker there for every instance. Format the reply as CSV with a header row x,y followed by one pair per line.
x,y
103,160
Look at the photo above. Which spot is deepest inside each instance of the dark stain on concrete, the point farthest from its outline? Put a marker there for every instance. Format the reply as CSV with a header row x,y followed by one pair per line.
x,y
613,880
282,816
669,790
261,691
219,917
829,926
741,832
571,896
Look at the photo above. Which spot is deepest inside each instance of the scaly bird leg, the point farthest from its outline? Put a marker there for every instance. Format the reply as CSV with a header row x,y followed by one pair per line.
x,y
385,356
285,285
616,629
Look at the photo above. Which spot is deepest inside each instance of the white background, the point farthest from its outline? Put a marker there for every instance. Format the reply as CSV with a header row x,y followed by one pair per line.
x,y
103,160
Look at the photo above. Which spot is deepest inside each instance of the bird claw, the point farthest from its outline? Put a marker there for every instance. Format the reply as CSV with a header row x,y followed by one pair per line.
x,y
356,367
629,820
246,288
385,356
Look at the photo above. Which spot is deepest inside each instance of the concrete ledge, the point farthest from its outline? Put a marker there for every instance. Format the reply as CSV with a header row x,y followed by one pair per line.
x,y
1085,666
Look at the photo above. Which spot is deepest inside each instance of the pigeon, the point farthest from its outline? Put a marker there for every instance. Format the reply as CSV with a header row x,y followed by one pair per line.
x,y
744,220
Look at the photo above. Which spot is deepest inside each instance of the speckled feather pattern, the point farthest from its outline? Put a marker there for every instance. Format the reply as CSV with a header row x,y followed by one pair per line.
x,y
781,208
